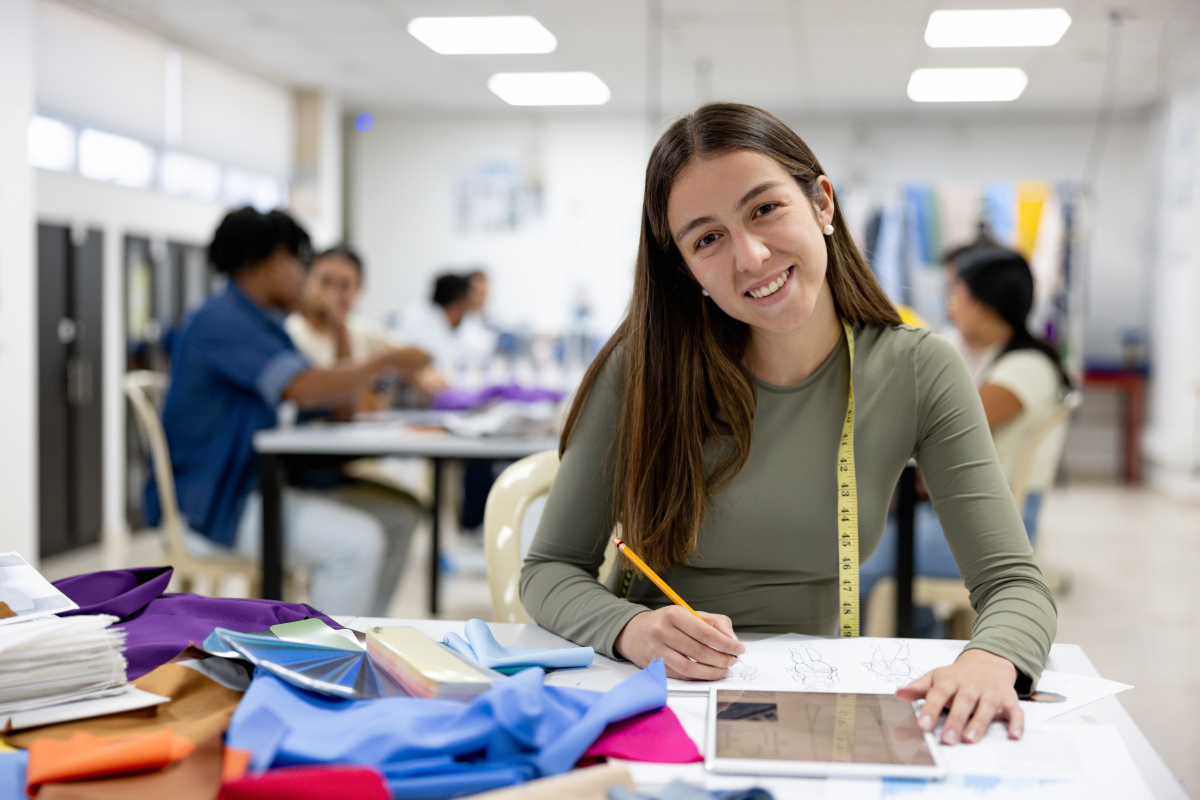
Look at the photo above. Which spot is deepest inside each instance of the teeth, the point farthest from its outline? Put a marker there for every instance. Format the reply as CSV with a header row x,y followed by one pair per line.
x,y
772,287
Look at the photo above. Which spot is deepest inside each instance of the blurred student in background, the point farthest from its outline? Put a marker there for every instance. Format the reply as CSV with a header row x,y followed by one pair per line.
x,y
990,293
232,364
328,332
477,336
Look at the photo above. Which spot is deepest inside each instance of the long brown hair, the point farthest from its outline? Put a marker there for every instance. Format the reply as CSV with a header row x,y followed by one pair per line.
x,y
683,381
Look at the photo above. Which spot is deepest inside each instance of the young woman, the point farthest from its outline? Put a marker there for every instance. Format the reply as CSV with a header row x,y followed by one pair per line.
x,y
709,426
1021,380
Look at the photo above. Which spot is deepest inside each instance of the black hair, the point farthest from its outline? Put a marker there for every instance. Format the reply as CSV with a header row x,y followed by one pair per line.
x,y
450,288
1001,279
247,237
342,251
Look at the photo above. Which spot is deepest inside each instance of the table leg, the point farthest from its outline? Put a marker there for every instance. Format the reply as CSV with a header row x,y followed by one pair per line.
x,y
435,537
270,485
905,514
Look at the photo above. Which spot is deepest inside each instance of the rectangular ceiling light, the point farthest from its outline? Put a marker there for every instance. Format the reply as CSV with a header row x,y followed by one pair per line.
x,y
966,85
483,35
1017,27
549,88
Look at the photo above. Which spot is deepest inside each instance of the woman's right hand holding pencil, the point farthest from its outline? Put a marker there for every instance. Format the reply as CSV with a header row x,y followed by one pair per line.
x,y
696,647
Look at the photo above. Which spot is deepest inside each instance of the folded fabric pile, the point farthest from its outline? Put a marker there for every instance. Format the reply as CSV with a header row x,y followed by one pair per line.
x,y
481,647
48,661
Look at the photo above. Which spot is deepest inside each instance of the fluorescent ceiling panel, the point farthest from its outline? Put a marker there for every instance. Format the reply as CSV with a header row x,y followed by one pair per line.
x,y
966,85
107,157
549,88
51,144
483,35
1017,27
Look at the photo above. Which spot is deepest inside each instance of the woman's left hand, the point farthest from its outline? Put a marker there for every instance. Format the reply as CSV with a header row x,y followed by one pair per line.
x,y
977,688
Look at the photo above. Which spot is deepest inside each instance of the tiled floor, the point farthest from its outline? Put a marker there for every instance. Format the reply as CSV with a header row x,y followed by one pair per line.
x,y
1132,557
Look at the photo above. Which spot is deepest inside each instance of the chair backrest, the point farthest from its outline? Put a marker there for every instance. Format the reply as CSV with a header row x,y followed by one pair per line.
x,y
509,522
1029,448
145,390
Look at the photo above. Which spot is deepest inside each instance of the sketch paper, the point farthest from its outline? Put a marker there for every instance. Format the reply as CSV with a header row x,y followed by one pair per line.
x,y
25,594
879,666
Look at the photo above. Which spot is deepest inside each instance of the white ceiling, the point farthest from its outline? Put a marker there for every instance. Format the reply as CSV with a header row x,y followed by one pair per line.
x,y
790,56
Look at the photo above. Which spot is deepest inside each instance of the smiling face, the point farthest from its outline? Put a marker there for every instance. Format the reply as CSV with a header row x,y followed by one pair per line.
x,y
753,240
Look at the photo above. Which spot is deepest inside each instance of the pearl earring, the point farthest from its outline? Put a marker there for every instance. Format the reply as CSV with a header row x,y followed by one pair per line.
x,y
704,292
828,230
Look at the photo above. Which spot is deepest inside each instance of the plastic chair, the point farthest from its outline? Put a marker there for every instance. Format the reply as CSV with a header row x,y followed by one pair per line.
x,y
145,390
949,596
514,506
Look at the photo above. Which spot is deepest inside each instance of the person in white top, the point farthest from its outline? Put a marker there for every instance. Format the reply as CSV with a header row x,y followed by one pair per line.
x,y
991,292
327,331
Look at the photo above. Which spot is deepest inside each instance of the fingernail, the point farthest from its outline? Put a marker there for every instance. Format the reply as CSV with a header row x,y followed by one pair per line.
x,y
1020,733
741,648
970,736
926,722
724,673
949,737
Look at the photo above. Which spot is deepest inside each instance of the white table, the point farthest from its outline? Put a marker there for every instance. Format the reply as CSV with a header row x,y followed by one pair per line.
x,y
363,440
606,673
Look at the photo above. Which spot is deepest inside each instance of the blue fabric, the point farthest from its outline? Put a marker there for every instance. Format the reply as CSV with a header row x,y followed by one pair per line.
x,y
931,553
230,364
1000,210
889,253
12,775
516,731
481,647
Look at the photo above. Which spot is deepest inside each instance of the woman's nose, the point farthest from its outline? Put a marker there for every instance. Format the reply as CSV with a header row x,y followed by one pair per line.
x,y
749,252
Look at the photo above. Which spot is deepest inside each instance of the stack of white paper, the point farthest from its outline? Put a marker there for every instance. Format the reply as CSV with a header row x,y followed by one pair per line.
x,y
53,660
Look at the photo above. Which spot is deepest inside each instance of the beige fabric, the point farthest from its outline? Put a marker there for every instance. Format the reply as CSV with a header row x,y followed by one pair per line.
x,y
767,550
367,340
1033,378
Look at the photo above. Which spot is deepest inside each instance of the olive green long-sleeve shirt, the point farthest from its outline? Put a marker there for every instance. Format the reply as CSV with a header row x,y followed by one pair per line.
x,y
767,549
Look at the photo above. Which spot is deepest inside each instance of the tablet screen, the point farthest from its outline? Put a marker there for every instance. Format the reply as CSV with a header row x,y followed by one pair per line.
x,y
819,727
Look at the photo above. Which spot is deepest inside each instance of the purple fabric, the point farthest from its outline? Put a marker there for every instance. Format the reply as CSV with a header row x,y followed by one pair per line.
x,y
461,399
160,626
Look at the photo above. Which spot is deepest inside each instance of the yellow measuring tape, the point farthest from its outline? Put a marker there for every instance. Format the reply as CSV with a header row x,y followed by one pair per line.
x,y
848,512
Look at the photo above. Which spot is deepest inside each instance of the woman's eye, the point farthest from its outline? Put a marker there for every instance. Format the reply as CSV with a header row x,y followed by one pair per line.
x,y
706,240
765,208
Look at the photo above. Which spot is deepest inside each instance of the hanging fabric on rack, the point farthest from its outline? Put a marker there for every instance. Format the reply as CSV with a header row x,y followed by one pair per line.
x,y
1000,210
960,207
1046,263
889,251
1030,197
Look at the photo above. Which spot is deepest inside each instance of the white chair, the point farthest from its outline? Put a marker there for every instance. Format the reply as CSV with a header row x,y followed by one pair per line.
x,y
510,520
949,596
145,390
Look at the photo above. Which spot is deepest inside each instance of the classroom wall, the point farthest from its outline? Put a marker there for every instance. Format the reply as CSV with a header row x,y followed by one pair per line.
x,y
403,173
18,286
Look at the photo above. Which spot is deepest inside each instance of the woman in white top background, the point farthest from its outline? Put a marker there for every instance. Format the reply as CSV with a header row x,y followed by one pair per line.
x,y
989,295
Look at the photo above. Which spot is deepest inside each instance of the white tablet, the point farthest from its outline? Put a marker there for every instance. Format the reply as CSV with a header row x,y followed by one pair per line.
x,y
756,732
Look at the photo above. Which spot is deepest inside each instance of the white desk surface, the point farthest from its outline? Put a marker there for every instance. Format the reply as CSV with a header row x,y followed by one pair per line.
x,y
605,673
390,438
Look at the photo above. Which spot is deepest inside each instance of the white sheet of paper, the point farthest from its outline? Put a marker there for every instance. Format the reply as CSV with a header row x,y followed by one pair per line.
x,y
128,698
27,594
1075,762
879,666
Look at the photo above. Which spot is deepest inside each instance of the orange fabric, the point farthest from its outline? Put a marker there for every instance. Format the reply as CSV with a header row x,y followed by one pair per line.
x,y
87,756
233,764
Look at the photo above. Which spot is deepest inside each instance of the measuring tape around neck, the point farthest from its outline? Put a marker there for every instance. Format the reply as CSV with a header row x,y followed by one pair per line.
x,y
847,500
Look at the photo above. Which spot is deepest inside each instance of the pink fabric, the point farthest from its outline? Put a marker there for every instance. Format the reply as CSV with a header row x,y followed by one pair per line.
x,y
655,736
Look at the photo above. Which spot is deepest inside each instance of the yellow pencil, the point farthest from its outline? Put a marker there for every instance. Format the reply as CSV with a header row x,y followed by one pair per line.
x,y
649,573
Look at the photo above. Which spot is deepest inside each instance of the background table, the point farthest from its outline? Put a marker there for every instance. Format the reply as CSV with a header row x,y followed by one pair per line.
x,y
606,673
369,439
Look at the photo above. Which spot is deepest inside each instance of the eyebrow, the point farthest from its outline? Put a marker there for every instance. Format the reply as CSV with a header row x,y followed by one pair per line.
x,y
746,198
